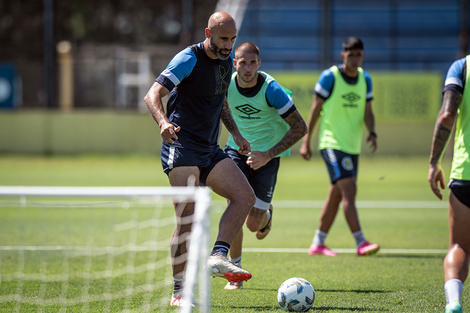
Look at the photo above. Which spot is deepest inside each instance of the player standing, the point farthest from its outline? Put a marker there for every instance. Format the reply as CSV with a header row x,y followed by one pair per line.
x,y
455,107
268,119
198,78
343,100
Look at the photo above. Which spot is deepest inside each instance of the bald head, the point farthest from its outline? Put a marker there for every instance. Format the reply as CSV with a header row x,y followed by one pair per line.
x,y
220,33
220,19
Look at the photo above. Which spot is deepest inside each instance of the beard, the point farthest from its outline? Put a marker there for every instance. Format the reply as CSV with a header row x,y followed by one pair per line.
x,y
217,51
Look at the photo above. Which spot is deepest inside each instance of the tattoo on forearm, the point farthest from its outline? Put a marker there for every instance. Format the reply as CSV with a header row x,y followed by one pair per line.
x,y
444,125
297,130
227,118
441,137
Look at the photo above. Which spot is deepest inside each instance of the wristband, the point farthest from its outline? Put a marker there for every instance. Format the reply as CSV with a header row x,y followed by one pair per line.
x,y
373,134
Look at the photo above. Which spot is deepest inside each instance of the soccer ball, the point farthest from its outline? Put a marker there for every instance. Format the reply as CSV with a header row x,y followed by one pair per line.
x,y
296,295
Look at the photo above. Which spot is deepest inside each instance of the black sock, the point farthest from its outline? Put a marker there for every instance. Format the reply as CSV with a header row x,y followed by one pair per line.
x,y
221,247
177,285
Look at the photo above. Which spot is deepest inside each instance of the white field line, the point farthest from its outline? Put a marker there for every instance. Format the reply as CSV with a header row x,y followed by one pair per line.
x,y
300,250
92,250
280,204
360,204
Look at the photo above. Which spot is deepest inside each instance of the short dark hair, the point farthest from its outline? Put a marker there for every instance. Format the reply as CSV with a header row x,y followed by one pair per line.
x,y
352,43
247,47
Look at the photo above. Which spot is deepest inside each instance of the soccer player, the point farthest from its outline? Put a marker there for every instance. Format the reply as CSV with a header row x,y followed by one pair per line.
x,y
267,117
198,78
343,104
455,107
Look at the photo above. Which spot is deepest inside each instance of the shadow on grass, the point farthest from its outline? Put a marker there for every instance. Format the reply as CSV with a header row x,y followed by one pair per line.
x,y
264,308
261,308
352,309
327,290
352,291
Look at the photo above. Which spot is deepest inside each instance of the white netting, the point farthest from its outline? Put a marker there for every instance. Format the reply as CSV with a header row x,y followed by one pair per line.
x,y
96,249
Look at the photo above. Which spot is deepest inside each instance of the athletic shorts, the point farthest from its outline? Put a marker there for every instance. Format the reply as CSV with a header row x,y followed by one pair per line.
x,y
172,157
340,164
461,190
262,180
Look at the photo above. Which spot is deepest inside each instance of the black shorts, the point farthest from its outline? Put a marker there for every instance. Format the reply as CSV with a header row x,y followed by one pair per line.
x,y
262,180
340,164
172,157
461,190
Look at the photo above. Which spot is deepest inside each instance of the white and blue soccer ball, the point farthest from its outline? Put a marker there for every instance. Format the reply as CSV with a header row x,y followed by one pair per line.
x,y
296,295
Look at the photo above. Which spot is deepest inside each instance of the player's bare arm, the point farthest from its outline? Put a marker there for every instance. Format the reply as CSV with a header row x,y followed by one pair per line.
x,y
153,99
297,130
442,132
369,120
305,148
227,118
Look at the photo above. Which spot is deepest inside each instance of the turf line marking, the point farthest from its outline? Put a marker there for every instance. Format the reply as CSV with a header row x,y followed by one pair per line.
x,y
360,204
392,251
255,250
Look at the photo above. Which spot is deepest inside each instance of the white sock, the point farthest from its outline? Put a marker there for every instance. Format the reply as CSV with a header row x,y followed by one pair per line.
x,y
319,238
359,238
453,288
237,261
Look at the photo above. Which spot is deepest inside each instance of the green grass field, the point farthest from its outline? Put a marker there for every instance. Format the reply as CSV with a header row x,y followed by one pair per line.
x,y
396,207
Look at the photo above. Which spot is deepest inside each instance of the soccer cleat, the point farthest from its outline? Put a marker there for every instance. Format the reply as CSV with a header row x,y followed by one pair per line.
x,y
454,308
219,266
231,285
321,250
262,233
176,300
367,249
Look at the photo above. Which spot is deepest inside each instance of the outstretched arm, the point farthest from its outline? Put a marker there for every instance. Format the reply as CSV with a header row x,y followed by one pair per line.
x,y
153,99
227,118
442,131
297,129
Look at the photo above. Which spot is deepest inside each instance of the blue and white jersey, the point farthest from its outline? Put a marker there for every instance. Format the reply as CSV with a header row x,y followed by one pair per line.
x,y
279,99
326,82
198,86
455,79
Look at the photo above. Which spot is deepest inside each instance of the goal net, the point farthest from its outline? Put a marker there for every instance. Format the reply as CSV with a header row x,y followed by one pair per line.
x,y
99,249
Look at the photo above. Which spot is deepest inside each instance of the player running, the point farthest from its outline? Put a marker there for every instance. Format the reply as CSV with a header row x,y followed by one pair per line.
x,y
198,78
267,117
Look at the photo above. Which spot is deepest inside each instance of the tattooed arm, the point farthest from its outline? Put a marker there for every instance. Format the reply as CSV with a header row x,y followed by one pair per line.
x,y
297,130
227,118
442,131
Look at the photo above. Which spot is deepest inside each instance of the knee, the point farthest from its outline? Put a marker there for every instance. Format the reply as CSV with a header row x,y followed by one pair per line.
x,y
249,198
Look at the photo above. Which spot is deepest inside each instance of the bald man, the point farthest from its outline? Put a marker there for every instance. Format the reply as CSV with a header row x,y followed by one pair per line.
x,y
197,79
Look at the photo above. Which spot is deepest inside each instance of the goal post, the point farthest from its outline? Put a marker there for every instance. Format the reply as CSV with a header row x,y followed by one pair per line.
x,y
69,249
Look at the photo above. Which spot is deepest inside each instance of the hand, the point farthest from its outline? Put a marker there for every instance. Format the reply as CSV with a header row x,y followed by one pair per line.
x,y
168,132
244,146
436,179
258,159
372,140
305,151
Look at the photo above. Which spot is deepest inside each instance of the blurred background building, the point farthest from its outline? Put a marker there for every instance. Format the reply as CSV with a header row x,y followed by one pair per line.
x,y
105,54
73,74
